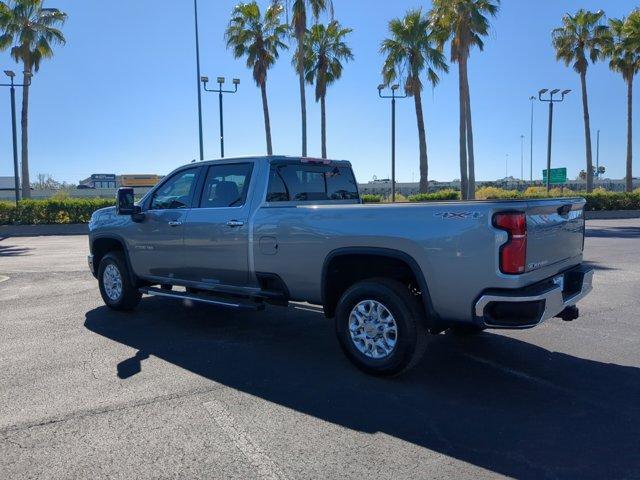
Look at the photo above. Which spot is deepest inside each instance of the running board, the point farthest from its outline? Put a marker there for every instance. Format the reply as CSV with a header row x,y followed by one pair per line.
x,y
238,304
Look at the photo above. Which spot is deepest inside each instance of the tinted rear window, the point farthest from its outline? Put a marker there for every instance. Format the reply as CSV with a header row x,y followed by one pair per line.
x,y
308,183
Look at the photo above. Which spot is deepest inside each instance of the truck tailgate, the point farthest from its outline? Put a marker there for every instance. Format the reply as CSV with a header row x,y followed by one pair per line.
x,y
555,231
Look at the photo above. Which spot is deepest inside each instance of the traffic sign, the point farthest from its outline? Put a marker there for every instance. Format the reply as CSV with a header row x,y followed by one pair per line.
x,y
558,175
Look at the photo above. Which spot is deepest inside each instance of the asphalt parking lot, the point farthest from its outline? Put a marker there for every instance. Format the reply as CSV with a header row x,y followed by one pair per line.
x,y
181,392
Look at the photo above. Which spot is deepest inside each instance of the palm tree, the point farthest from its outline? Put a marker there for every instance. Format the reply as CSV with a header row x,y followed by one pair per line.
x,y
622,47
31,29
464,23
577,42
299,15
325,50
259,39
408,51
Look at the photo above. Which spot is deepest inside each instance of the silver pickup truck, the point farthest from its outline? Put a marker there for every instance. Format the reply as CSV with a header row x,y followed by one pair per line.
x,y
241,233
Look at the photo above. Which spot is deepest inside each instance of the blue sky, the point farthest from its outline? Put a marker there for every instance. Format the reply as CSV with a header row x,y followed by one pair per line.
x,y
120,96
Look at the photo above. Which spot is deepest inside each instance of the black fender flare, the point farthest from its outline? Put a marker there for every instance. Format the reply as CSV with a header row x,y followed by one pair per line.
x,y
118,238
432,316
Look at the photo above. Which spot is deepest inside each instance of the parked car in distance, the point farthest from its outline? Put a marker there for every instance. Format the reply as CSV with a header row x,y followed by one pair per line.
x,y
241,233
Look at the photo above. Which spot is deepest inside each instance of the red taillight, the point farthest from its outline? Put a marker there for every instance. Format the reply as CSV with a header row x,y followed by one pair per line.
x,y
513,254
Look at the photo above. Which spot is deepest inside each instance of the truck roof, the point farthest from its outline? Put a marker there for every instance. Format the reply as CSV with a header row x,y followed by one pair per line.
x,y
275,158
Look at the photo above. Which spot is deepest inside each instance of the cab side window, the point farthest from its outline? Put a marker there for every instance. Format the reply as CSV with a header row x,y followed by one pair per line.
x,y
309,183
226,185
176,192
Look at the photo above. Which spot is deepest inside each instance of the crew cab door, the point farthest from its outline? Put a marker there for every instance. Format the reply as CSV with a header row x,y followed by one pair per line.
x,y
216,233
156,244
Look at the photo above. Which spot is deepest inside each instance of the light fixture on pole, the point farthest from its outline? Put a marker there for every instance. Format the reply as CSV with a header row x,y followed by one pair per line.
x,y
393,96
551,101
220,91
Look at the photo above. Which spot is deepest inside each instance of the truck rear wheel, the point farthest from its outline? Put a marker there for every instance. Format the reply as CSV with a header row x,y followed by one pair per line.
x,y
114,280
380,326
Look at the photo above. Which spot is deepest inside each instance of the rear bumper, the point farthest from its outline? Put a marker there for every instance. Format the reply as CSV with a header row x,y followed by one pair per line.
x,y
530,306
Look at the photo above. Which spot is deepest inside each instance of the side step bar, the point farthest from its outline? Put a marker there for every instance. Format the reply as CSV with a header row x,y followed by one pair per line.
x,y
238,304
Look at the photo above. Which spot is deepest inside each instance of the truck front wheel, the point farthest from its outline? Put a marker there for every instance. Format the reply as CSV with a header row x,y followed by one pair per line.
x,y
380,326
116,287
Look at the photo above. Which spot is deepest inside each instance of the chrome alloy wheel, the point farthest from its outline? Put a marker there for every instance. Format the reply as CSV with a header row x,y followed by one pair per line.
x,y
112,281
373,329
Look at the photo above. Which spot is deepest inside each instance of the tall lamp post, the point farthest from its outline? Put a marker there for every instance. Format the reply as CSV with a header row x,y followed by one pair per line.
x,y
14,133
522,157
598,154
220,91
551,101
195,11
532,99
393,96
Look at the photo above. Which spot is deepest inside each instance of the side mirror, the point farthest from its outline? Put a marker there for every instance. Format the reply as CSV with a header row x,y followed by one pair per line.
x,y
124,202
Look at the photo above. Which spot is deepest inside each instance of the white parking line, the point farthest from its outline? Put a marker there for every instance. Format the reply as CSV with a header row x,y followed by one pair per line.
x,y
3,278
265,467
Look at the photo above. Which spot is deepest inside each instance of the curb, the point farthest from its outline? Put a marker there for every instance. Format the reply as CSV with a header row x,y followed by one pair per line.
x,y
611,214
43,230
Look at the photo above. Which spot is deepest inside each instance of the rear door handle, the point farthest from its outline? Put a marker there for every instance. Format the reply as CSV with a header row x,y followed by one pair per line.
x,y
175,224
234,223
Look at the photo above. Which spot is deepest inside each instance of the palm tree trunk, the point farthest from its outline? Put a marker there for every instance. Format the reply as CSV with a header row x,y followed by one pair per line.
x,y
464,187
629,177
323,127
471,159
267,121
587,130
422,137
26,186
303,98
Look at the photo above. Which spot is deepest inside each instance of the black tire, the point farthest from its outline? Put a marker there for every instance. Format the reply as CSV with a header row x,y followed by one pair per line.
x,y
129,296
412,336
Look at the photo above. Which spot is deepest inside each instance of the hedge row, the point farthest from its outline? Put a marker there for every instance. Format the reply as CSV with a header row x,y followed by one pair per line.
x,y
35,212
79,210
599,199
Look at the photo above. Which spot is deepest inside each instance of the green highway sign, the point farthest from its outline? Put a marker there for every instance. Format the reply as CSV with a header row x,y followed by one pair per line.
x,y
558,175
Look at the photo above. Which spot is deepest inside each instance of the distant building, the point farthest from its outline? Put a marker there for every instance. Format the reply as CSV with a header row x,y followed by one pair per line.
x,y
139,180
99,180
6,183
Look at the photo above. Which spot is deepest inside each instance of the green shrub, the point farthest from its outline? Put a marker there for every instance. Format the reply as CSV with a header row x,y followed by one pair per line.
x,y
495,193
370,198
37,212
439,196
603,200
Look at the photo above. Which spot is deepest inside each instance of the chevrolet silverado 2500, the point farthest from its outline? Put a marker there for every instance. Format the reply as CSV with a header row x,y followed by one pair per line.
x,y
245,232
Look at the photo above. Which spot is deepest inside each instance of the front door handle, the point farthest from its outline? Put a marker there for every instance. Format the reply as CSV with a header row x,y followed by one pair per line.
x,y
175,224
234,223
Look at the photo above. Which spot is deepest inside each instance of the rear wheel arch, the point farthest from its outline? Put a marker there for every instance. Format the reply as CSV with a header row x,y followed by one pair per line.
x,y
371,262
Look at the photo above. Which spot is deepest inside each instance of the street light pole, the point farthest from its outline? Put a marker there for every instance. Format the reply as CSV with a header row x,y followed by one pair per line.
x,y
14,133
220,91
522,157
393,96
550,101
195,10
506,168
532,99
598,154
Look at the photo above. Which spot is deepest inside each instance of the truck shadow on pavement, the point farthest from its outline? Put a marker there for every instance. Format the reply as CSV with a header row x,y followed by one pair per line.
x,y
13,251
502,404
